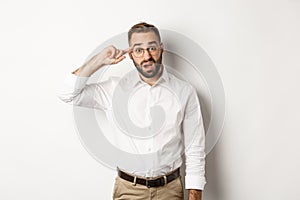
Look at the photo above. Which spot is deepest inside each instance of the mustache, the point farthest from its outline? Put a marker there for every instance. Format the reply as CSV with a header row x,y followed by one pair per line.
x,y
150,59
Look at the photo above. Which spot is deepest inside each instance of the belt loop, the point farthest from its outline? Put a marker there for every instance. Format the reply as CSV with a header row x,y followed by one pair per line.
x,y
165,178
134,181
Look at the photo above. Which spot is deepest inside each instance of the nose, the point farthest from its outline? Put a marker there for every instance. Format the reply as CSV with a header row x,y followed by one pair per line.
x,y
146,55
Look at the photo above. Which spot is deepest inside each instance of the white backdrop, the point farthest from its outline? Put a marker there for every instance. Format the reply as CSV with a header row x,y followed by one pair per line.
x,y
255,46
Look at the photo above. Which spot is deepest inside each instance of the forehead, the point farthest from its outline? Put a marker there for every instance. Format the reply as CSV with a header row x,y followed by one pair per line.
x,y
144,38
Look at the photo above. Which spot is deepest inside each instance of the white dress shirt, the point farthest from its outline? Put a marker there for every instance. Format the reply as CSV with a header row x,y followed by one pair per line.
x,y
181,132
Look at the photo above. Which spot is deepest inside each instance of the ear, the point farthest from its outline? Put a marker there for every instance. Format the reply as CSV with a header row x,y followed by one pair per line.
x,y
130,55
162,46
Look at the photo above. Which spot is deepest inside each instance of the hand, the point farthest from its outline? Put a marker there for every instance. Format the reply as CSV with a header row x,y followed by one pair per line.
x,y
112,55
195,194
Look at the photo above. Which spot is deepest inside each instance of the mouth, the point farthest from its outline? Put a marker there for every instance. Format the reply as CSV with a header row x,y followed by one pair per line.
x,y
148,66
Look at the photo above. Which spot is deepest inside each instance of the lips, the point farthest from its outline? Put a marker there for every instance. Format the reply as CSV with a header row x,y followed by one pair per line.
x,y
147,65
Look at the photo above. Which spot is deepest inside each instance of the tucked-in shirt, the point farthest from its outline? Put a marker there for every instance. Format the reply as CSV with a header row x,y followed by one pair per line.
x,y
180,128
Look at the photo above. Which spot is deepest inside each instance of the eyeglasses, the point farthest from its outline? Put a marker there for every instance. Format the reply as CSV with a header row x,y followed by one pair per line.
x,y
139,52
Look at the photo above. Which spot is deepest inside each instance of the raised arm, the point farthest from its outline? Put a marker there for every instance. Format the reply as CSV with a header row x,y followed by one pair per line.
x,y
108,56
75,91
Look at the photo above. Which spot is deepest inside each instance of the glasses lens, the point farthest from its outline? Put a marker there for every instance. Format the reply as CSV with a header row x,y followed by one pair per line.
x,y
139,52
153,50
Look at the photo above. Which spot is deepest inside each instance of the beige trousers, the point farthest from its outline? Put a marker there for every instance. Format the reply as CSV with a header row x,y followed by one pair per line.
x,y
125,190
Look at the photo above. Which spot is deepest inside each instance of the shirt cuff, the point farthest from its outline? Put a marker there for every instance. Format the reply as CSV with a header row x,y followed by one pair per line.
x,y
196,182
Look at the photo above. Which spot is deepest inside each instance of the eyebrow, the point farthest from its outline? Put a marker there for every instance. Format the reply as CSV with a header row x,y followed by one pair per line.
x,y
138,44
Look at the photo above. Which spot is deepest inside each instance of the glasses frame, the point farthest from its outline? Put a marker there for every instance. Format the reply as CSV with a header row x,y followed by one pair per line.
x,y
147,49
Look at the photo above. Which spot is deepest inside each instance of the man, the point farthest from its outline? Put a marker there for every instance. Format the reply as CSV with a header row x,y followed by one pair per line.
x,y
182,132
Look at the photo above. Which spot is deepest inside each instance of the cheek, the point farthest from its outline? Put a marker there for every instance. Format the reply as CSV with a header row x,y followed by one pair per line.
x,y
158,58
137,60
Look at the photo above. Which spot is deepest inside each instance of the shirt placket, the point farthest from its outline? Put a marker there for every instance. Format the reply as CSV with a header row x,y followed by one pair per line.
x,y
150,103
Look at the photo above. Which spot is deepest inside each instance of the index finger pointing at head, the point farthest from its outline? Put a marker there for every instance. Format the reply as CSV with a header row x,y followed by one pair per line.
x,y
128,49
122,52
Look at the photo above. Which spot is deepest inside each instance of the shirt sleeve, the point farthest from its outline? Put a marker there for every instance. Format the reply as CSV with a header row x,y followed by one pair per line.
x,y
194,140
75,91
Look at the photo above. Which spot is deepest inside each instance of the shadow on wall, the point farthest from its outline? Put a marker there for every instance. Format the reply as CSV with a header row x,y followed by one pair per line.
x,y
213,189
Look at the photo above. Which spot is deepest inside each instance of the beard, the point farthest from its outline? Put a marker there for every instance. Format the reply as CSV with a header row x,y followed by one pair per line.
x,y
149,68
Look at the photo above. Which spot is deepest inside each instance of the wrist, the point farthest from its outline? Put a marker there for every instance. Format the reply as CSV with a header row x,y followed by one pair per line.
x,y
195,194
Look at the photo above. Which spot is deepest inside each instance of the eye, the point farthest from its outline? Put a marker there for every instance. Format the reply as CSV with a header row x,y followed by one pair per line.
x,y
152,48
138,50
